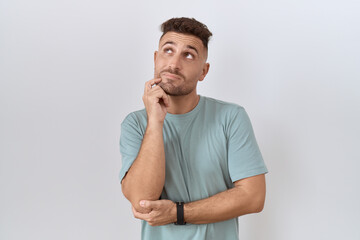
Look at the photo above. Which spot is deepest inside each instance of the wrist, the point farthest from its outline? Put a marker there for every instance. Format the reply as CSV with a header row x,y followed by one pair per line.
x,y
173,213
180,219
155,125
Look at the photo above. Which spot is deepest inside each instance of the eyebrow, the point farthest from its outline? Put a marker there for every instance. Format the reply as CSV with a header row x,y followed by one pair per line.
x,y
188,46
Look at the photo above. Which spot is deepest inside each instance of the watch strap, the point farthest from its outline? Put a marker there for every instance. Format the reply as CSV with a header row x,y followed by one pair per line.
x,y
180,213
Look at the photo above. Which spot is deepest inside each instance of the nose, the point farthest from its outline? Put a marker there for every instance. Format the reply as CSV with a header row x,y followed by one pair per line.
x,y
175,62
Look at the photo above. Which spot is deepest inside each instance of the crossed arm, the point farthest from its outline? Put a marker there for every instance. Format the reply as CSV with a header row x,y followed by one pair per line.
x,y
247,196
144,182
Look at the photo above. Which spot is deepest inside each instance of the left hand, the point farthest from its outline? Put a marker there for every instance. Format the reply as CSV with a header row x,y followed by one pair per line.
x,y
161,212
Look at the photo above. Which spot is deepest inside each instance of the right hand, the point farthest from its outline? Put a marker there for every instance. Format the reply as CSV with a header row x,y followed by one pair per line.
x,y
156,101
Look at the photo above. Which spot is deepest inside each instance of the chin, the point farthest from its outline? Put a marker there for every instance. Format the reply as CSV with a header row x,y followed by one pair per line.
x,y
175,91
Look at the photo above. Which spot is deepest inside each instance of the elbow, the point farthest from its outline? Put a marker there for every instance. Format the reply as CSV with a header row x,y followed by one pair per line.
x,y
135,202
138,208
124,189
259,207
135,197
258,203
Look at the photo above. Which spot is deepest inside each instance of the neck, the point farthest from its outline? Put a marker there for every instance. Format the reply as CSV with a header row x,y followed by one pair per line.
x,y
183,104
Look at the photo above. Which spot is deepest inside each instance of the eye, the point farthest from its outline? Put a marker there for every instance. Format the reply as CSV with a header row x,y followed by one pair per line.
x,y
168,50
189,55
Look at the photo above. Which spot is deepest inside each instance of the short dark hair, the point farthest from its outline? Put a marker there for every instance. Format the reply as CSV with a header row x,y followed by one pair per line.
x,y
187,26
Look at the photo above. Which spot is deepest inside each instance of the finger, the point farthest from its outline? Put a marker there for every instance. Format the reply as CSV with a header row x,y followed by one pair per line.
x,y
133,210
166,100
145,204
135,213
157,80
150,204
158,93
152,82
139,215
149,84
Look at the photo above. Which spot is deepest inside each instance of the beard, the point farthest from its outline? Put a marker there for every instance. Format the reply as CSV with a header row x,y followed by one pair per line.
x,y
172,90
169,85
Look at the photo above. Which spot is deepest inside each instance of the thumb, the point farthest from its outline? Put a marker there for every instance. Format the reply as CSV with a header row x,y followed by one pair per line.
x,y
147,204
144,203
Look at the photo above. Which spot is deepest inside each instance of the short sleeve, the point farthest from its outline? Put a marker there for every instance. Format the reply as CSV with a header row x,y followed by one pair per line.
x,y
244,156
131,138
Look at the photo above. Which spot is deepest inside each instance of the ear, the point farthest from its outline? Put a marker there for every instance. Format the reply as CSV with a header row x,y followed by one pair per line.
x,y
155,55
205,70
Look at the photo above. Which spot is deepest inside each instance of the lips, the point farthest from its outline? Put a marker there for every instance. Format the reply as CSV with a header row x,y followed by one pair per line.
x,y
171,76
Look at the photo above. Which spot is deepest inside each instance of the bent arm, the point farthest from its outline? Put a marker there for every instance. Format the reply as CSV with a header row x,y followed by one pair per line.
x,y
247,196
146,177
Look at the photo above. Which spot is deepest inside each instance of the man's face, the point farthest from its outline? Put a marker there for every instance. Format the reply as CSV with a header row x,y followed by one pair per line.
x,y
181,63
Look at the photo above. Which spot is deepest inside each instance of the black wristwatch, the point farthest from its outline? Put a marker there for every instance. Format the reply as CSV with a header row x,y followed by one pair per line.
x,y
180,213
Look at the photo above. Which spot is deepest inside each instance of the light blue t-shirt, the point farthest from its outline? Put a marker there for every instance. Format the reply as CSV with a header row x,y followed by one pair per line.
x,y
206,150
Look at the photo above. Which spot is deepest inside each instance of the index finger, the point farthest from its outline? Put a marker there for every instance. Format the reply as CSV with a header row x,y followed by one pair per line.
x,y
152,82
139,215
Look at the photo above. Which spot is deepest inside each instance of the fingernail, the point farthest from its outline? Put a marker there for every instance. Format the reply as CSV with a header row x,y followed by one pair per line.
x,y
142,203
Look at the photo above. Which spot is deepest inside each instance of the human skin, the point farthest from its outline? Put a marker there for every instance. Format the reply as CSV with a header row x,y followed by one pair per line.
x,y
247,196
180,63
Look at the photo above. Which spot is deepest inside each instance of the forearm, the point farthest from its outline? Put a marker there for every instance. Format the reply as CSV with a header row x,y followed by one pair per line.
x,y
145,178
226,205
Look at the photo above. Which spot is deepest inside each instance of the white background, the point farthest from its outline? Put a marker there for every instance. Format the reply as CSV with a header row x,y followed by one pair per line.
x,y
71,70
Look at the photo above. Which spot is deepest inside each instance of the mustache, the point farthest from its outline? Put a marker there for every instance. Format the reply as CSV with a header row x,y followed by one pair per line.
x,y
176,72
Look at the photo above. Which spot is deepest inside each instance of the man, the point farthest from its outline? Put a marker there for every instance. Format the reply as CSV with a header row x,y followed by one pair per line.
x,y
189,159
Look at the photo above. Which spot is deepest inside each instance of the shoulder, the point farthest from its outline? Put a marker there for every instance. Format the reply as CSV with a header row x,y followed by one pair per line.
x,y
138,117
231,116
222,107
